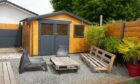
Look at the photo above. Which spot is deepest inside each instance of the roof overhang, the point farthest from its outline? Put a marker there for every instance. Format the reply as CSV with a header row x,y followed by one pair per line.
x,y
57,13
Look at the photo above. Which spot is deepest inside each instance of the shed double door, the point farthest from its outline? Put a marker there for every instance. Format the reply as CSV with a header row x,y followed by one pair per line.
x,y
52,34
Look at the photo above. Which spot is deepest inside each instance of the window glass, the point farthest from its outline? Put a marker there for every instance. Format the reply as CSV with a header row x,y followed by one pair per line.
x,y
79,31
62,29
47,29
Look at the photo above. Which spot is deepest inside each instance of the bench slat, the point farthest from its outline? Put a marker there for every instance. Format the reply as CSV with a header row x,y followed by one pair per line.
x,y
88,61
102,63
94,61
106,59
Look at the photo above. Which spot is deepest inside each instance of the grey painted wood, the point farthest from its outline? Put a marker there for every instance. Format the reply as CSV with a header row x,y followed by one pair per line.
x,y
48,44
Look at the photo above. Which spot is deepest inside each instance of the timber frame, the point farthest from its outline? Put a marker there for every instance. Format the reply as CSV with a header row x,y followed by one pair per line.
x,y
98,59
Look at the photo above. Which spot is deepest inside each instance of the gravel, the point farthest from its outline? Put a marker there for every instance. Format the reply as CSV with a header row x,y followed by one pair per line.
x,y
83,76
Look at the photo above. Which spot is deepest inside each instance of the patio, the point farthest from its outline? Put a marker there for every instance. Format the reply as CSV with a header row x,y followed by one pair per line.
x,y
83,76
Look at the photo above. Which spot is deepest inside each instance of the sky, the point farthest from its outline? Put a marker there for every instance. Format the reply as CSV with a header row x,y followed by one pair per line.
x,y
37,6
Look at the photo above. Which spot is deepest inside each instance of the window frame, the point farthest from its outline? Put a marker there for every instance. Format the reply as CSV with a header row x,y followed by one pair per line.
x,y
51,28
75,31
66,29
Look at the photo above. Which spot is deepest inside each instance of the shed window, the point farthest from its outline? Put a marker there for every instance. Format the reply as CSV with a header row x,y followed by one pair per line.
x,y
47,29
62,29
79,31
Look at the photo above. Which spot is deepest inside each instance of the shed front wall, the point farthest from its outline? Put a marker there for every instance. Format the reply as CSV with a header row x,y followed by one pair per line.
x,y
75,44
31,35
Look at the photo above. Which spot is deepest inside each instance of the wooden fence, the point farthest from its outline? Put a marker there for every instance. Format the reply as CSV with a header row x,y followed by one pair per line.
x,y
132,29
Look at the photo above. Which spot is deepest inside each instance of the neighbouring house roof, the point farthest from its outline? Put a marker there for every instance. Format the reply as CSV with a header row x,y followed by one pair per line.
x,y
57,13
6,1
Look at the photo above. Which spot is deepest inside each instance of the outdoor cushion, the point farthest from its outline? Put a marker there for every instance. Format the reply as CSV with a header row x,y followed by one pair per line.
x,y
62,51
30,64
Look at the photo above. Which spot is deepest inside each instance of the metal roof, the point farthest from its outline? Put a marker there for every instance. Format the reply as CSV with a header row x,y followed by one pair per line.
x,y
57,13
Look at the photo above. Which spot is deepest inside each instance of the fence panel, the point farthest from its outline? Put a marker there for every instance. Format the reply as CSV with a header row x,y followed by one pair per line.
x,y
132,29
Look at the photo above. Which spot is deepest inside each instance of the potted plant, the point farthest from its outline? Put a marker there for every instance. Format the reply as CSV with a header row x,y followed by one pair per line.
x,y
130,48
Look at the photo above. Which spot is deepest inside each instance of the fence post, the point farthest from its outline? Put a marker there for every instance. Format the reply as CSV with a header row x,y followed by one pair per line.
x,y
101,20
122,30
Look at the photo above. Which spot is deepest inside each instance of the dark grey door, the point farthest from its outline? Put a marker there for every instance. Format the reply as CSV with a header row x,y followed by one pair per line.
x,y
62,37
46,39
8,38
52,34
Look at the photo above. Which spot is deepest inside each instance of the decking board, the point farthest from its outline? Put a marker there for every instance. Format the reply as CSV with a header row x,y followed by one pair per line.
x,y
6,73
1,73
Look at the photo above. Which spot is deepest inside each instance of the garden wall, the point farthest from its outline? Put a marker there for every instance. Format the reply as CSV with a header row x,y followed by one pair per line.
x,y
132,29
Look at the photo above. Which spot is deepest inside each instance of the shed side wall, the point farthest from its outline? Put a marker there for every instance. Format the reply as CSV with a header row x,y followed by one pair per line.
x,y
26,43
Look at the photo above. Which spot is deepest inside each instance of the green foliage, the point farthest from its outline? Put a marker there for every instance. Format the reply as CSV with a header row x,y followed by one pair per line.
x,y
110,44
62,5
130,48
92,9
94,34
133,82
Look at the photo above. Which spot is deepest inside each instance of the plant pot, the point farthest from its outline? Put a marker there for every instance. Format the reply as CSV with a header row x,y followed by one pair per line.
x,y
133,69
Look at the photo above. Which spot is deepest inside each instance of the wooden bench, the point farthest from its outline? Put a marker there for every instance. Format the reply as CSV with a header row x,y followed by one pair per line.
x,y
6,73
98,59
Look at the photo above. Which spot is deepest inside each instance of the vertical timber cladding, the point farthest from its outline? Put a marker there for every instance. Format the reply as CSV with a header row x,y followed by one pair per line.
x,y
35,39
26,37
8,35
30,37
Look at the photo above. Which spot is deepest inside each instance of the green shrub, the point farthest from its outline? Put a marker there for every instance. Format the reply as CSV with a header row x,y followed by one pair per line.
x,y
94,34
110,44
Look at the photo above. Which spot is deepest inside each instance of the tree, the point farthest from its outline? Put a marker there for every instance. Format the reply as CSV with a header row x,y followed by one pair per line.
x,y
92,9
62,5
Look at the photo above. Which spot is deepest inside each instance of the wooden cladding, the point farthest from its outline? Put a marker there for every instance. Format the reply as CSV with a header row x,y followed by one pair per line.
x,y
132,29
26,37
9,26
